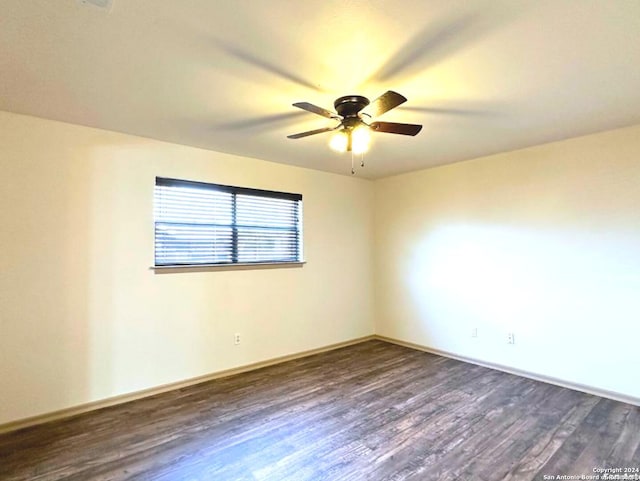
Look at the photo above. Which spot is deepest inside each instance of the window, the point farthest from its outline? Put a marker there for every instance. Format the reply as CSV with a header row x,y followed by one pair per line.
x,y
204,224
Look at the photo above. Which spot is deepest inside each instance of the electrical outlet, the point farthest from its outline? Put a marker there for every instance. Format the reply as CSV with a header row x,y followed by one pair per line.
x,y
511,338
236,338
474,332
102,4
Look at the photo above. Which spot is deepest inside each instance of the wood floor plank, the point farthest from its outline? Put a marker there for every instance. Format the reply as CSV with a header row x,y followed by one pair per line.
x,y
552,433
369,412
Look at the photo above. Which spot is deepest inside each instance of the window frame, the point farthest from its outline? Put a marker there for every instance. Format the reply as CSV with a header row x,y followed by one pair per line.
x,y
234,226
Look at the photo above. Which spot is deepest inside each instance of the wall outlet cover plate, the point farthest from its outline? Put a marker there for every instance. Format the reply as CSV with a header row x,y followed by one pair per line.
x,y
102,4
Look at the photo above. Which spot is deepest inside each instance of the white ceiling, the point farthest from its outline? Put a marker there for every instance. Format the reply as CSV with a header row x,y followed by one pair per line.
x,y
482,76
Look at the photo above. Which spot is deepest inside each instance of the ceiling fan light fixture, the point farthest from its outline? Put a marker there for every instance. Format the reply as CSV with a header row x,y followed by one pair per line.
x,y
339,141
354,134
360,139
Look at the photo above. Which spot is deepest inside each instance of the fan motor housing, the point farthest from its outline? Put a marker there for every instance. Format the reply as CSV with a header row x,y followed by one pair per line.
x,y
350,105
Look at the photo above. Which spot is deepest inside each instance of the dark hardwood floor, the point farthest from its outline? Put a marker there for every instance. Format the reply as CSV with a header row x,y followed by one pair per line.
x,y
373,411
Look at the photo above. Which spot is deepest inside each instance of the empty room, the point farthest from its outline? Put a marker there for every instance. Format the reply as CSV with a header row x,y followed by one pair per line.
x,y
355,240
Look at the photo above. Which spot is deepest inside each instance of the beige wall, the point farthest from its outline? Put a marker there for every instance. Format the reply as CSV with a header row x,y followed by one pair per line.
x,y
83,317
542,242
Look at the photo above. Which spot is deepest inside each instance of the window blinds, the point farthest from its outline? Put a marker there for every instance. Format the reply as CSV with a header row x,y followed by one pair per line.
x,y
201,224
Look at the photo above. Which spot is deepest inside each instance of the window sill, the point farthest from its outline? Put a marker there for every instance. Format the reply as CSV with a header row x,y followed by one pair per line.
x,y
225,267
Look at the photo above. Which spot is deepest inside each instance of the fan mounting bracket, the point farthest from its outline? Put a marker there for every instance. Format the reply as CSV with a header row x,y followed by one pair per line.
x,y
350,105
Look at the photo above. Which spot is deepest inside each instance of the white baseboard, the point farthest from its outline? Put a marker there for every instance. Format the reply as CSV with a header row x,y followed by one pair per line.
x,y
518,372
112,401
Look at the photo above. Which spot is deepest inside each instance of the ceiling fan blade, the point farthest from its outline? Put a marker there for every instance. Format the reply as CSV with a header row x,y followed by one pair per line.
x,y
396,128
315,110
387,101
309,132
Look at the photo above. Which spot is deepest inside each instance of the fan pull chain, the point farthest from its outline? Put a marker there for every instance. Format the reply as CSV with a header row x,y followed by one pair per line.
x,y
353,170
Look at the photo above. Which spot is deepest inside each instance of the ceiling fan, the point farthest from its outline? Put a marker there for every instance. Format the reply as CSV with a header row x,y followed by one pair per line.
x,y
353,131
